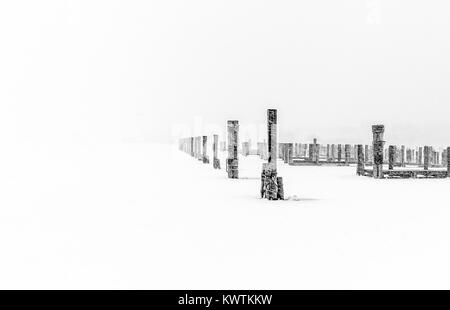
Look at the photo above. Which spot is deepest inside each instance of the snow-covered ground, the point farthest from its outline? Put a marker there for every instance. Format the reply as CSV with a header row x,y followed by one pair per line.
x,y
145,216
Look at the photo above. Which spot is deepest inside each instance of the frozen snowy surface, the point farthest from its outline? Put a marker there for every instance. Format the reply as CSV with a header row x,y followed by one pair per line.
x,y
143,216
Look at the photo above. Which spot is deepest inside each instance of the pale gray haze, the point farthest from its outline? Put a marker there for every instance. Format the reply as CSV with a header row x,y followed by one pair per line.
x,y
106,71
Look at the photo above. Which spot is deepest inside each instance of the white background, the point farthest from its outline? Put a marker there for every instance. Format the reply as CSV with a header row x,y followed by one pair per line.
x,y
92,92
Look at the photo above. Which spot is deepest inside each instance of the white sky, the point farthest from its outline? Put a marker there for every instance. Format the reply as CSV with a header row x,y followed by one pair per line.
x,y
97,70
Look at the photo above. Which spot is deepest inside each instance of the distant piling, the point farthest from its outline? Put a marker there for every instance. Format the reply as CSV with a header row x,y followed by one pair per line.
x,y
347,152
378,146
205,158
360,166
391,157
426,157
216,161
448,162
232,160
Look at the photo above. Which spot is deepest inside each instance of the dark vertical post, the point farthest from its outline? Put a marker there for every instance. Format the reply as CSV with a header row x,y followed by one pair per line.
x,y
378,145
448,162
333,152
328,152
420,157
426,157
347,153
391,157
316,151
205,158
232,160
339,153
402,155
360,167
272,138
270,185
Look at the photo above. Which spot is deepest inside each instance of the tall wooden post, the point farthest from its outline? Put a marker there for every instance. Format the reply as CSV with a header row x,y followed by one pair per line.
x,y
391,157
232,160
270,185
378,146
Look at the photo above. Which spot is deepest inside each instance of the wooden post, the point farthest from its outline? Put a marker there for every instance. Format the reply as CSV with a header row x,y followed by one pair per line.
x,y
391,157
402,155
328,152
378,145
339,153
311,152
232,160
448,162
316,151
290,152
444,158
420,156
360,167
271,172
347,153
426,157
205,158
366,153
280,192
216,161
272,186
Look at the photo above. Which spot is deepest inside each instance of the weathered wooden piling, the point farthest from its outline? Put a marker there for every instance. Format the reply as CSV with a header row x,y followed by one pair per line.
x,y
290,152
448,162
444,157
205,158
339,155
347,152
216,161
391,157
402,155
271,185
420,156
232,160
333,152
378,146
366,153
360,166
316,150
311,152
426,157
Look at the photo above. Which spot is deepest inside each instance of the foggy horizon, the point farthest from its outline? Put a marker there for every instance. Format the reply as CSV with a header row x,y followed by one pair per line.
x,y
99,71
